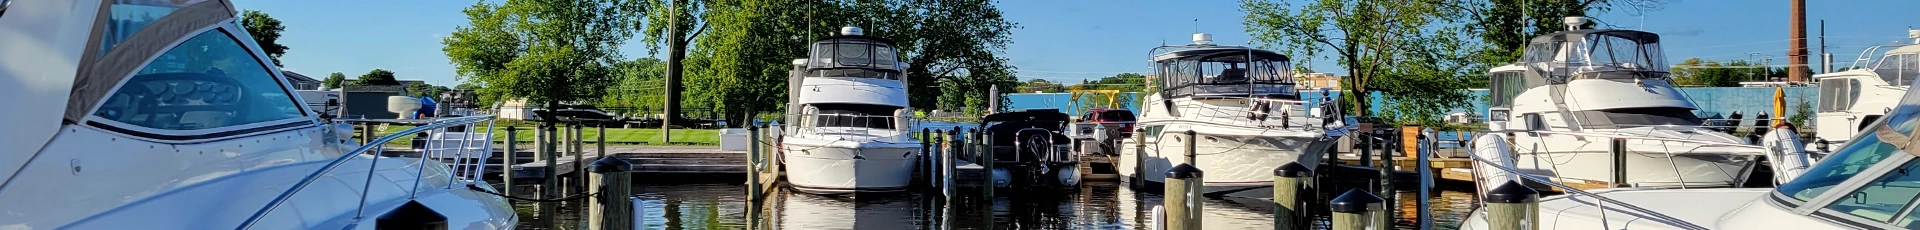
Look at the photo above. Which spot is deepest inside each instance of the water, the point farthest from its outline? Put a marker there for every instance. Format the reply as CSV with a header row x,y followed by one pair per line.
x,y
1096,205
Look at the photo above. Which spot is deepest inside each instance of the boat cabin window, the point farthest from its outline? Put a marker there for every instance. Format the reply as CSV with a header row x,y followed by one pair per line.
x,y
209,81
1898,69
1228,73
1838,94
852,115
1596,52
1506,86
853,58
1883,198
1629,117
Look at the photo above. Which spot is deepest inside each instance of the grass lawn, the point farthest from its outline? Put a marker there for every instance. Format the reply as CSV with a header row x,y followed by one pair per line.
x,y
616,136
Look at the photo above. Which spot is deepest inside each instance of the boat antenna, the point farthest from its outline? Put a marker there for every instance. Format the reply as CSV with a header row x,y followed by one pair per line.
x,y
1196,25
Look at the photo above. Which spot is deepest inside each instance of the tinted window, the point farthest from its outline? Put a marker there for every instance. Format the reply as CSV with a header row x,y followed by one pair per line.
x,y
128,16
209,81
1846,163
1883,198
1637,117
857,116
1116,115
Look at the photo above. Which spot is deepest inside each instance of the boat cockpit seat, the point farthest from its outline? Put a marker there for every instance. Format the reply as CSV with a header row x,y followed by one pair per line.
x,y
1232,75
199,119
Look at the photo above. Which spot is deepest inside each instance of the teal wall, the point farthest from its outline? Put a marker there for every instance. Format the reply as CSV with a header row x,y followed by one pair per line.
x,y
1713,102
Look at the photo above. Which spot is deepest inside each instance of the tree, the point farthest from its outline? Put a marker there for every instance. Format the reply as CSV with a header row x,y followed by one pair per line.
x,y
377,77
548,52
265,31
674,23
334,80
1408,48
1506,25
639,84
1039,85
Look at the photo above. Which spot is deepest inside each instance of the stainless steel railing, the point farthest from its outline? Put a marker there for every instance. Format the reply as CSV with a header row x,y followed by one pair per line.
x,y
1512,172
374,147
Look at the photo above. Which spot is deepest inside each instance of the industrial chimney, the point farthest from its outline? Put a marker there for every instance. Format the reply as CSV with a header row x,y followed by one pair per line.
x,y
1797,50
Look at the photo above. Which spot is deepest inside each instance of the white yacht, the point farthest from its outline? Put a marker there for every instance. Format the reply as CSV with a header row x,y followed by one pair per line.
x,y
1243,108
1610,82
1851,99
848,118
1868,184
132,114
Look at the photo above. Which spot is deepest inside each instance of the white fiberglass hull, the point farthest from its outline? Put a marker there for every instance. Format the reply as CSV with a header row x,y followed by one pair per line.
x,y
1230,163
842,167
1653,164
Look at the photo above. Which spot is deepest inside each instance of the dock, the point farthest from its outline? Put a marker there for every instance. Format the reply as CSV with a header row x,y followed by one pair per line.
x,y
704,160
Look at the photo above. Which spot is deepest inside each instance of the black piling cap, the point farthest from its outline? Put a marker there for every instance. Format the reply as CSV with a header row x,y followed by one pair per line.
x,y
609,164
1512,192
1355,201
1183,171
1190,132
1292,170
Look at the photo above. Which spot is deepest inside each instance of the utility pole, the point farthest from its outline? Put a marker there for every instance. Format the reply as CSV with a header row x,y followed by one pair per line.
x,y
1797,52
1826,59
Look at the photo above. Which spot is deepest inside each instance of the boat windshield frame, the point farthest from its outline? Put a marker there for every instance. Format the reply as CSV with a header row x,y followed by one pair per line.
x,y
881,57
1905,66
1593,54
1182,71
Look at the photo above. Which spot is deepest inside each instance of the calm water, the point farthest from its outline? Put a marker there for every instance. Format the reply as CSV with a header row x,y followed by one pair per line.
x,y
1094,206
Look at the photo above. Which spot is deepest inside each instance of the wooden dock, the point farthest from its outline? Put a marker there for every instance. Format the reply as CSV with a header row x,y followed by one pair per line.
x,y
647,160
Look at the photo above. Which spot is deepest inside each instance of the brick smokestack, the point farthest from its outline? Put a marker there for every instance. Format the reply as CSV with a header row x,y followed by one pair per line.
x,y
1797,50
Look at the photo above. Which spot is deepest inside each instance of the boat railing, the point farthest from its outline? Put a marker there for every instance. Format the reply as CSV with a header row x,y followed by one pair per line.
x,y
1292,115
876,127
1602,201
373,149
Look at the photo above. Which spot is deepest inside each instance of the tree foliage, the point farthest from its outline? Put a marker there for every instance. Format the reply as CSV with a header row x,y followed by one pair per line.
x,y
334,80
1408,50
265,31
545,51
1702,72
377,77
1507,24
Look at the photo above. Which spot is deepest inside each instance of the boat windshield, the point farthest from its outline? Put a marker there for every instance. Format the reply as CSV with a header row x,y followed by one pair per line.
x,y
1885,180
1898,69
1629,117
128,16
1227,72
1506,86
851,116
853,57
1589,55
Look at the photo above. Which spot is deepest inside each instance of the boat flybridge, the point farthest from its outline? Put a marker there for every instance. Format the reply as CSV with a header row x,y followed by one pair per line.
x,y
1870,183
1851,99
849,118
1614,83
136,114
1243,111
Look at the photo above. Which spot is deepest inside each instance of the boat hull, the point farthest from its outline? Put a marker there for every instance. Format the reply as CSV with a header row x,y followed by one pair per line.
x,y
849,167
1657,170
1232,164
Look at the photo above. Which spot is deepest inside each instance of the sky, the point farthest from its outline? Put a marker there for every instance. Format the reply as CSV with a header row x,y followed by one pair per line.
x,y
1069,40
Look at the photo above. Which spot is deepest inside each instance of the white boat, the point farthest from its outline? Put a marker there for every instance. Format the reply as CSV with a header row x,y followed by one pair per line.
x,y
1241,105
165,115
1868,184
1851,99
848,117
1609,82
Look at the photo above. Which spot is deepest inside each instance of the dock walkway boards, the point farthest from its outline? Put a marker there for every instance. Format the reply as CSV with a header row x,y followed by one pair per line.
x,y
645,160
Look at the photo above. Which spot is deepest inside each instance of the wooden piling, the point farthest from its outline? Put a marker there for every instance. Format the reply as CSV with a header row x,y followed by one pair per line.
x,y
579,177
1354,210
1138,180
611,209
1512,206
1192,148
1286,195
926,158
754,191
549,187
507,162
1617,147
986,157
1183,188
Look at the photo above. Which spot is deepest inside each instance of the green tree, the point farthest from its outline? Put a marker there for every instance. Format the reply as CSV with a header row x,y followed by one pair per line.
x,y
1039,85
334,80
548,52
377,77
265,31
640,84
1408,50
1506,25
675,24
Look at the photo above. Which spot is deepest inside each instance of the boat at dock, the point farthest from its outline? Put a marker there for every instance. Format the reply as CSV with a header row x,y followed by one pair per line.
x,y
1583,88
1243,110
165,115
1852,99
848,119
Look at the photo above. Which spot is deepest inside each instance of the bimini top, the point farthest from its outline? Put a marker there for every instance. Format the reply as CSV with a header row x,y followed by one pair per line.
x,y
1619,55
1869,184
1212,71
853,54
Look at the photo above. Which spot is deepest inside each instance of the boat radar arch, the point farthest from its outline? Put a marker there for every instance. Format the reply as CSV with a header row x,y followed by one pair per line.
x,y
1203,39
1574,22
850,31
800,62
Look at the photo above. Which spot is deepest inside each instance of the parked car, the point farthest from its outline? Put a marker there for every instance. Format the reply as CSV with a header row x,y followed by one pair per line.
x,y
1122,117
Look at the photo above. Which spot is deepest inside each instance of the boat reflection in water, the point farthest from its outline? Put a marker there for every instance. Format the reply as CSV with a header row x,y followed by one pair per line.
x,y
1093,206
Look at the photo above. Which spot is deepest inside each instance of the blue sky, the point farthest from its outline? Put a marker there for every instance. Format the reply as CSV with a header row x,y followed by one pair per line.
x,y
1068,40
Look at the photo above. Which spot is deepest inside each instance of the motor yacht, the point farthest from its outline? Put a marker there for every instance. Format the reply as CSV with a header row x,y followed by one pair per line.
x,y
1588,82
1243,110
1866,90
849,121
129,114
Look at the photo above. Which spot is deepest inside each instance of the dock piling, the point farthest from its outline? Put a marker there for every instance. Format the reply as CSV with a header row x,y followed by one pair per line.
x,y
1617,147
926,158
986,158
1183,188
1355,209
507,162
613,183
579,178
1286,195
1192,146
552,181
1512,206
754,190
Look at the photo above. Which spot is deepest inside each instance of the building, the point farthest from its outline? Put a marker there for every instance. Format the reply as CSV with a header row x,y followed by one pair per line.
x,y
301,81
1316,81
368,101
